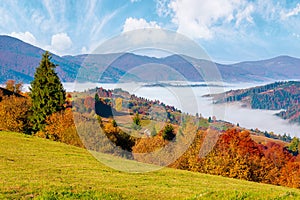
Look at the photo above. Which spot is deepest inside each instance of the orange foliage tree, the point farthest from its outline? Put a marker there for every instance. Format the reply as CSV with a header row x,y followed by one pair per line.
x,y
236,155
14,112
12,86
276,156
60,127
290,174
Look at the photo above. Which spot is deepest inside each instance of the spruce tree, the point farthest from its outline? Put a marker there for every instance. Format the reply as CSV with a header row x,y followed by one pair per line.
x,y
168,132
136,124
47,93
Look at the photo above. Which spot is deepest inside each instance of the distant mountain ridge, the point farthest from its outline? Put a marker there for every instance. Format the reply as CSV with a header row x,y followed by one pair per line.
x,y
18,61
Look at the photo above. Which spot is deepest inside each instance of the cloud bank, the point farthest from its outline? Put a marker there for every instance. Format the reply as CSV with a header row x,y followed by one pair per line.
x,y
134,23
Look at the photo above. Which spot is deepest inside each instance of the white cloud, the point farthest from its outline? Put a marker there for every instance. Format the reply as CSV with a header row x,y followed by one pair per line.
x,y
245,14
133,1
268,9
293,12
200,19
133,24
6,19
37,18
25,37
98,26
60,43
84,50
296,35
162,8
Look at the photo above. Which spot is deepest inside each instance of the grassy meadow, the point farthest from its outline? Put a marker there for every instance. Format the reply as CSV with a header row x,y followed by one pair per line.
x,y
32,167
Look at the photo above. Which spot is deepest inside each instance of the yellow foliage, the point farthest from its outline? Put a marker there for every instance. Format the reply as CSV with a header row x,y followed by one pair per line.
x,y
119,104
14,113
61,127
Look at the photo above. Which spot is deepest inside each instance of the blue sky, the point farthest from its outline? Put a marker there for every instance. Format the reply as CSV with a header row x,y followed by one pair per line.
x,y
228,30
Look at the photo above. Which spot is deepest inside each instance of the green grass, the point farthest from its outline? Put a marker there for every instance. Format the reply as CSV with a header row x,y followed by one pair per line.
x,y
37,168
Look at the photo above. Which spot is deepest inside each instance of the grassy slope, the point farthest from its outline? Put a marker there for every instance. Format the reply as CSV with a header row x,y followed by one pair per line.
x,y
34,167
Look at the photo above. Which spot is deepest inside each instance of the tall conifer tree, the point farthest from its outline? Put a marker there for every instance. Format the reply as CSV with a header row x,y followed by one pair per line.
x,y
47,93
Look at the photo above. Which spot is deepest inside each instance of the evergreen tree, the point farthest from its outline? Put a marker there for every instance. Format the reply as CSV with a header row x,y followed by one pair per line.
x,y
209,120
47,93
136,124
168,132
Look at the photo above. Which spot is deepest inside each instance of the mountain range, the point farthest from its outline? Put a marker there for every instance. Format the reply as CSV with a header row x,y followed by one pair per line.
x,y
18,61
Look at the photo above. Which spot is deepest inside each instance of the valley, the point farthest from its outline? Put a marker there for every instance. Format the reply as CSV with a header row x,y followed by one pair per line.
x,y
283,97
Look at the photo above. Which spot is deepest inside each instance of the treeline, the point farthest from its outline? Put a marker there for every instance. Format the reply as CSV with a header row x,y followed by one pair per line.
x,y
275,100
285,137
292,113
275,96
238,95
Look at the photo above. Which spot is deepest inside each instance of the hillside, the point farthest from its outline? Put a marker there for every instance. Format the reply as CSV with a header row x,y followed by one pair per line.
x,y
6,92
18,61
276,96
37,168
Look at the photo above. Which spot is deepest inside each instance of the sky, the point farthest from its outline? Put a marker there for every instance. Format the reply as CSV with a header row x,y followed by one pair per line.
x,y
228,30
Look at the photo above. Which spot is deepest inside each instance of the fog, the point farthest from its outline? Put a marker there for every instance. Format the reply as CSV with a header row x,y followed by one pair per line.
x,y
190,100
264,120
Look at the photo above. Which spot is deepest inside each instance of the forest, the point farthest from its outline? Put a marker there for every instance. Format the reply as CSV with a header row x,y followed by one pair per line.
x,y
284,96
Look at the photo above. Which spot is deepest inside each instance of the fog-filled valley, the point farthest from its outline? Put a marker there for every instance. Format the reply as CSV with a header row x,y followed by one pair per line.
x,y
191,100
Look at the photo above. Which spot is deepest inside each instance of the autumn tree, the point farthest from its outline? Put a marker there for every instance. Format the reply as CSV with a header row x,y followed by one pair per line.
x,y
61,127
47,93
118,103
147,150
294,146
14,113
290,174
235,155
89,103
12,86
